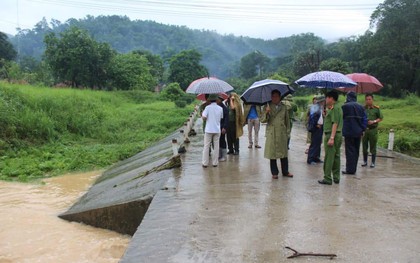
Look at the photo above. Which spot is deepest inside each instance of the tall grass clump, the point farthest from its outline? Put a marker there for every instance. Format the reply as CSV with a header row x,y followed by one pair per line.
x,y
47,131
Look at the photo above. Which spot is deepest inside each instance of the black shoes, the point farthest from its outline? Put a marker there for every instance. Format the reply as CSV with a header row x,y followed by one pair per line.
x,y
324,182
345,172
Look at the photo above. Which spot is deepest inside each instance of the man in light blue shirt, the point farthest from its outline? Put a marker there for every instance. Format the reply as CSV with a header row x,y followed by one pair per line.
x,y
253,114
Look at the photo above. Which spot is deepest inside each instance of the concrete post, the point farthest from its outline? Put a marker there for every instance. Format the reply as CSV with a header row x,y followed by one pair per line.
x,y
175,147
391,140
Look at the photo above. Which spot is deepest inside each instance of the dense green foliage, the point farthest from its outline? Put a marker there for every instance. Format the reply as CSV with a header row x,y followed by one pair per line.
x,y
48,131
219,52
185,67
173,92
131,71
254,64
390,50
7,51
77,58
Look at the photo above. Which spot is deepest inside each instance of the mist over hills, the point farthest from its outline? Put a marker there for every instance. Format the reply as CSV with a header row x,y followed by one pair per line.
x,y
220,52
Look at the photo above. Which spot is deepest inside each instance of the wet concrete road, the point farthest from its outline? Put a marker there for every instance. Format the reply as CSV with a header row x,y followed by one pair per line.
x,y
237,213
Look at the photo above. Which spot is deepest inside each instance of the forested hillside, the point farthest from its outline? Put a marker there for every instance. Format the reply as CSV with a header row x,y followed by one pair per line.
x,y
117,53
219,52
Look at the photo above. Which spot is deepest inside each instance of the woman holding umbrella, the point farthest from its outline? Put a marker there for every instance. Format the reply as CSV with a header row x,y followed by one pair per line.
x,y
278,126
236,120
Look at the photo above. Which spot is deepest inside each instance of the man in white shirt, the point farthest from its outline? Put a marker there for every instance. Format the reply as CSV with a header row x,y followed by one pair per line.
x,y
212,114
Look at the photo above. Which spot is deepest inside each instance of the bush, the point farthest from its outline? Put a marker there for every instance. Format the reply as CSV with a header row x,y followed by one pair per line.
x,y
181,103
172,92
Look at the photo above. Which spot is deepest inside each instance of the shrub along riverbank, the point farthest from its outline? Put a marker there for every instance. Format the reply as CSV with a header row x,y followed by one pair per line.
x,y
401,115
46,132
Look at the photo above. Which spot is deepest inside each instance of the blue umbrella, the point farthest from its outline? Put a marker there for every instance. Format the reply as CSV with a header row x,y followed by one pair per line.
x,y
260,91
325,79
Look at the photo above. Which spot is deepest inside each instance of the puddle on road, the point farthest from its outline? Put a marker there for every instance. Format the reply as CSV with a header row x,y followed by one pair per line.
x,y
30,230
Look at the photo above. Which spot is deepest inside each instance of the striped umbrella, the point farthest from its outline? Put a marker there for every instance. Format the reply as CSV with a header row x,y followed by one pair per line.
x,y
325,79
202,96
209,85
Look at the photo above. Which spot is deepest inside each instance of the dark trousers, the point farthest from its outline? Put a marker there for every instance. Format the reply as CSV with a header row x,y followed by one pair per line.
x,y
284,166
314,152
233,142
222,141
352,147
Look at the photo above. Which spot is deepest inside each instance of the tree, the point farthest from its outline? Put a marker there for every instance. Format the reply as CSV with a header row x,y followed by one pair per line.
x,y
131,71
155,63
308,52
253,64
76,58
335,64
396,43
185,67
7,52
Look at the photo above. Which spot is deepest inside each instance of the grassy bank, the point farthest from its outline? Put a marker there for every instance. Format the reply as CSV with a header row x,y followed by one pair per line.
x,y
47,132
401,115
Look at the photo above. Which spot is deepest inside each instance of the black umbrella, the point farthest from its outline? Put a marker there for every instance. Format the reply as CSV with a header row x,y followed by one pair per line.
x,y
260,91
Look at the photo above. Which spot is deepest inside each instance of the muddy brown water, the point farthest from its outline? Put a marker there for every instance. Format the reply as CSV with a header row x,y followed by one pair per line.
x,y
30,230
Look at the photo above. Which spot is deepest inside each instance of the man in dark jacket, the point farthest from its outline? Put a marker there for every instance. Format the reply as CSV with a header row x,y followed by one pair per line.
x,y
354,124
224,123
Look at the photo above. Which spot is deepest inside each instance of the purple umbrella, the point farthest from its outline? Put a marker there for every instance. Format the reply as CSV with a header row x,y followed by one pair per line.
x,y
325,79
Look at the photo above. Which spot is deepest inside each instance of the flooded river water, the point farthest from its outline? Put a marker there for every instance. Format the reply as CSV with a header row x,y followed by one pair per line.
x,y
30,230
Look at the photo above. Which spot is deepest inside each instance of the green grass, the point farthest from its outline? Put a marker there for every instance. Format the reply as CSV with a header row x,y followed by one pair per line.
x,y
47,132
401,115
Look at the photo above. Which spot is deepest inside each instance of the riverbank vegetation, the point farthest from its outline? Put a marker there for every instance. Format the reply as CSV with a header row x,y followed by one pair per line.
x,y
50,131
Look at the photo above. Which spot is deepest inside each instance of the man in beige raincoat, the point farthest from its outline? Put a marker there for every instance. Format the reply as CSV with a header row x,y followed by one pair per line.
x,y
278,127
236,120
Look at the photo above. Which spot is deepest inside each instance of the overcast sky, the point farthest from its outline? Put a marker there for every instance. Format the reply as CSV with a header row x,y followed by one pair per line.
x,y
267,19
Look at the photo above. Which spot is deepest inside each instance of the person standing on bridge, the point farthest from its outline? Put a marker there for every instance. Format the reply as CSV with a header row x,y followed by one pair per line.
x,y
354,124
253,114
333,125
224,124
276,116
370,137
212,114
236,120
316,121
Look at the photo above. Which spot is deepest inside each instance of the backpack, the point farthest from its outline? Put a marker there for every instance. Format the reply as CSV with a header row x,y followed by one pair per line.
x,y
313,121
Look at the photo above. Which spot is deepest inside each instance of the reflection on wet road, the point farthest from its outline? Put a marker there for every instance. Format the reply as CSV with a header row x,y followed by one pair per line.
x,y
237,213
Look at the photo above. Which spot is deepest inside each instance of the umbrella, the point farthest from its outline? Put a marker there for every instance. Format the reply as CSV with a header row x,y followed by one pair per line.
x,y
260,91
365,83
325,79
208,85
202,96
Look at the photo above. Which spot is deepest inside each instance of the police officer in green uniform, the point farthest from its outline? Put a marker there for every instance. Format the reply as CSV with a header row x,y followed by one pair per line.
x,y
333,125
370,137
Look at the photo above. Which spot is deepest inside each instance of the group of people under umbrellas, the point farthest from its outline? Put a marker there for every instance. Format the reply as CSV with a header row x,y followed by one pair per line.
x,y
264,102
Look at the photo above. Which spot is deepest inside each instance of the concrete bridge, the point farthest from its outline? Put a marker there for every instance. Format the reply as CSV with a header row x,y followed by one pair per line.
x,y
237,213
